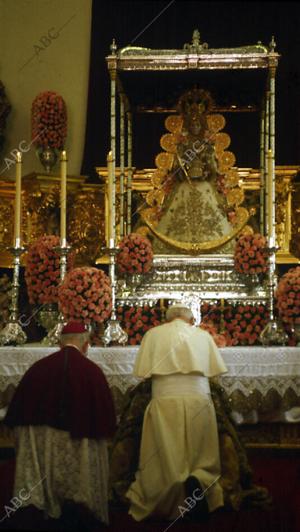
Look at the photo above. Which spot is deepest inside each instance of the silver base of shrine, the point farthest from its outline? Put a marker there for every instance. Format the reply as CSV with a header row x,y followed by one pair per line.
x,y
210,277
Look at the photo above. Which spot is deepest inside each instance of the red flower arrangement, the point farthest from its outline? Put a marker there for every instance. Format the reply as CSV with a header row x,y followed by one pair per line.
x,y
42,272
250,256
49,120
242,323
288,296
85,295
136,321
219,338
135,255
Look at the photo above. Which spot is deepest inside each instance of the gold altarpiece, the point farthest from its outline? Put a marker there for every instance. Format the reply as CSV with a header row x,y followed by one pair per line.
x,y
87,207
41,214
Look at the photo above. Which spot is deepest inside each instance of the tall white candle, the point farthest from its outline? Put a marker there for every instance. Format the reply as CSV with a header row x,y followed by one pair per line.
x,y
17,238
271,199
63,198
111,201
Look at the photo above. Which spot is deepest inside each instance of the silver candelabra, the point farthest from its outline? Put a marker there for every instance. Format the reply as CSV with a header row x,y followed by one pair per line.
x,y
273,333
13,334
53,336
113,331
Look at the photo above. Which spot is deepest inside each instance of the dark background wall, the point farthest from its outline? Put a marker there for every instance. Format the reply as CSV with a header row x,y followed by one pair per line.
x,y
221,24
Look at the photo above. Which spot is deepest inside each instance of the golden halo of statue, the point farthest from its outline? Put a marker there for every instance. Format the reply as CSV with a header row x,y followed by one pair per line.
x,y
222,142
155,197
216,122
226,160
235,197
169,142
232,177
164,161
174,123
158,177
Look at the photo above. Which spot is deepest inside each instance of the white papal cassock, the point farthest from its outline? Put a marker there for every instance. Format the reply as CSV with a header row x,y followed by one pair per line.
x,y
179,436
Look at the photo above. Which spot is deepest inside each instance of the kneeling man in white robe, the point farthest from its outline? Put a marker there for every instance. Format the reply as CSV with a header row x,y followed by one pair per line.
x,y
179,453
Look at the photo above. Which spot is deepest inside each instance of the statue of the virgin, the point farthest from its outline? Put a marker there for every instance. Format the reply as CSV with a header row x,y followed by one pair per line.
x,y
190,212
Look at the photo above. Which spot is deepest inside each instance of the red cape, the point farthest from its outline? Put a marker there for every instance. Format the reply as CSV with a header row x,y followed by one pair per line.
x,y
66,391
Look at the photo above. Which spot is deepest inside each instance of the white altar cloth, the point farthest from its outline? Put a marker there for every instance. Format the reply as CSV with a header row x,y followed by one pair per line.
x,y
254,374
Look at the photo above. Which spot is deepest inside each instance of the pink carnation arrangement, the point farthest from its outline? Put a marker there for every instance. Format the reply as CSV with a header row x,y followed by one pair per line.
x,y
250,256
135,255
288,296
49,120
242,324
42,272
219,338
136,321
85,295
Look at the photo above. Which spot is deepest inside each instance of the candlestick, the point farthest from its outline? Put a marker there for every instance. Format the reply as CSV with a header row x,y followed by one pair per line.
x,y
53,336
111,202
63,198
17,239
113,331
271,199
13,334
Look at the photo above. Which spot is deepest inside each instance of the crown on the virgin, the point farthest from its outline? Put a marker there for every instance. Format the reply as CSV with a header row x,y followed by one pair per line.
x,y
195,100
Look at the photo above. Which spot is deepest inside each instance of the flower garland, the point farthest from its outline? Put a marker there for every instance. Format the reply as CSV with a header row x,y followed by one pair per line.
x,y
250,256
136,321
85,295
288,296
49,120
42,271
135,255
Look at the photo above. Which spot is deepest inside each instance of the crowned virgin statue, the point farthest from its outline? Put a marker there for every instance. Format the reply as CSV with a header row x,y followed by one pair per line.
x,y
194,205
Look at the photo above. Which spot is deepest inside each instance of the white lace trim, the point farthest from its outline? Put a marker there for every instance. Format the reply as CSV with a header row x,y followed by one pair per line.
x,y
249,368
51,467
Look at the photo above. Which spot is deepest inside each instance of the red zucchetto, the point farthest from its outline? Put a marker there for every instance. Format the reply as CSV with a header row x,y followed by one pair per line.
x,y
74,327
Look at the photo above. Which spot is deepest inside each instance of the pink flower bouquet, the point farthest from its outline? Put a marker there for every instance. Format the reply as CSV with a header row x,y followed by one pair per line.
x,y
288,296
136,321
49,120
85,295
42,272
250,256
135,255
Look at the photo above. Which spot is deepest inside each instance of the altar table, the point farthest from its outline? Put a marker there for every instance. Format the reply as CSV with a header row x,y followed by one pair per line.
x,y
262,383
